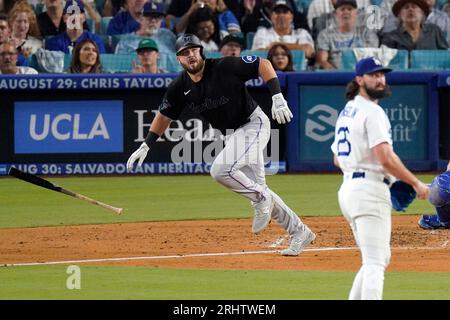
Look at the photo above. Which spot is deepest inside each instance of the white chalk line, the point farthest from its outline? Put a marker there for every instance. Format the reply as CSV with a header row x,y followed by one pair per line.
x,y
218,254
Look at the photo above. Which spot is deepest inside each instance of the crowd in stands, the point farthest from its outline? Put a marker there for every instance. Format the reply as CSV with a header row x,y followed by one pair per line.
x,y
73,36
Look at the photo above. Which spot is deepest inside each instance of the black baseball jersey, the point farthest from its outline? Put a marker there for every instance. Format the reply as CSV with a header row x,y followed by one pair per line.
x,y
221,96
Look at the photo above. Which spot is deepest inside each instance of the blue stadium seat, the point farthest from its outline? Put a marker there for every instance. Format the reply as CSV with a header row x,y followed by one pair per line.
x,y
104,24
117,63
249,39
67,60
91,25
213,54
298,57
399,62
168,61
430,59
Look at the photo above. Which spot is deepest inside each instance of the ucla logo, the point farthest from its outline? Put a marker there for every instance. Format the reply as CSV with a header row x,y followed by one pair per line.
x,y
249,59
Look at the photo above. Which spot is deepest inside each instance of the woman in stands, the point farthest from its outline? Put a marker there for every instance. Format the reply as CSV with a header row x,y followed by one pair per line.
x,y
86,58
281,57
204,25
25,31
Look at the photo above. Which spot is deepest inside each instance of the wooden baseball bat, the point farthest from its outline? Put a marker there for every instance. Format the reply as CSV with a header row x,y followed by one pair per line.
x,y
31,178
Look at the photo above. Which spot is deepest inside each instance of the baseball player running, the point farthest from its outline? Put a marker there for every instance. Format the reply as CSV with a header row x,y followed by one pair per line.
x,y
363,150
215,89
440,199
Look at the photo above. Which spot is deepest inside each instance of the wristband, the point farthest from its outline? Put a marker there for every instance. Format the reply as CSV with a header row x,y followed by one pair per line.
x,y
151,138
274,86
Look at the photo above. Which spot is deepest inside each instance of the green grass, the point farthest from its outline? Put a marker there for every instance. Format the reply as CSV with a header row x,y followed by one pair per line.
x,y
49,282
157,198
154,198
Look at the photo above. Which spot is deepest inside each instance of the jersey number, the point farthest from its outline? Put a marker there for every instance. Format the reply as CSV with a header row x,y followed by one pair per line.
x,y
344,147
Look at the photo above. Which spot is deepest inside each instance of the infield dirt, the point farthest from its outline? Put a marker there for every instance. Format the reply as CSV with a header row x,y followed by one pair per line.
x,y
413,249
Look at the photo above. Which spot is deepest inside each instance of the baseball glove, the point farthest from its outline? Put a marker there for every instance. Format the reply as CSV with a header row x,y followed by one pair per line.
x,y
402,195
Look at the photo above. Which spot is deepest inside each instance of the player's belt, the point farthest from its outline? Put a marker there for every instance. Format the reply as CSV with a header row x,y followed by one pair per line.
x,y
370,176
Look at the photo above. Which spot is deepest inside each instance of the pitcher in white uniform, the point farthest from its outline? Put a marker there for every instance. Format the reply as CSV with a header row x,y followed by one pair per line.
x,y
363,150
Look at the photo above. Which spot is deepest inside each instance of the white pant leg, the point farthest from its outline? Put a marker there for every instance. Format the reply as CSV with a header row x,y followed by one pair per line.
x,y
244,149
285,217
366,205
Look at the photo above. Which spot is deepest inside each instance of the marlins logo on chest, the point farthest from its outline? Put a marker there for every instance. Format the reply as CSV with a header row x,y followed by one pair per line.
x,y
208,104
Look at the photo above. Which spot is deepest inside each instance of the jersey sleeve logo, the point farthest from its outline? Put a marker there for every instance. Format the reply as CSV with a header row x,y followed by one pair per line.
x,y
164,105
249,59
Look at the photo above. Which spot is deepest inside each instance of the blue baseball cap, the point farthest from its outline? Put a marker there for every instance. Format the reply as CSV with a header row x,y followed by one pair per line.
x,y
152,8
370,65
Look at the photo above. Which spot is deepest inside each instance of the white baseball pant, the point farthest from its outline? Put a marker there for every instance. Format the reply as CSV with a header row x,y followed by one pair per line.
x,y
240,167
366,205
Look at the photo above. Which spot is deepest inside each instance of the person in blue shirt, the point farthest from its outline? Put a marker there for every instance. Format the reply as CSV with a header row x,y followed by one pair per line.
x,y
74,18
127,21
150,27
228,23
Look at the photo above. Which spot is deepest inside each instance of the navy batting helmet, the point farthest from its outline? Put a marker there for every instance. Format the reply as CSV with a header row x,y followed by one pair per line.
x,y
186,41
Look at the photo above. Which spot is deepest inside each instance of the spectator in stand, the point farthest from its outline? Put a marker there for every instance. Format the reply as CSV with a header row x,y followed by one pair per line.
x,y
148,55
113,7
412,33
24,28
320,7
150,27
436,16
329,20
5,36
127,21
254,14
8,60
86,58
227,22
74,18
6,5
446,8
282,31
232,45
204,25
347,34
280,57
51,21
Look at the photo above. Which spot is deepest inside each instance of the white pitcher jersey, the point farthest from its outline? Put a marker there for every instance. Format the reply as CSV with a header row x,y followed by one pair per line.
x,y
361,125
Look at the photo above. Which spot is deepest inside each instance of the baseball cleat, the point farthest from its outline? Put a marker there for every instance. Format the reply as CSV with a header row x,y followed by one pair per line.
x,y
298,242
263,213
431,222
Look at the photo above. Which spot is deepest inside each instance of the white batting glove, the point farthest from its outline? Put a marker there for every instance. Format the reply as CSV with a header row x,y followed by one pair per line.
x,y
280,109
140,154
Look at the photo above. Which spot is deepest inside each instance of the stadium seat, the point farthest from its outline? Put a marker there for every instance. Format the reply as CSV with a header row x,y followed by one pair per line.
x,y
117,63
104,24
91,25
430,59
399,62
67,60
168,61
249,39
107,40
213,54
38,7
298,57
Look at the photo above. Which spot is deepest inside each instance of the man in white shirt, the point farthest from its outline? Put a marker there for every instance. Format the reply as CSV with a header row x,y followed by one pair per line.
x,y
8,60
282,30
363,150
320,7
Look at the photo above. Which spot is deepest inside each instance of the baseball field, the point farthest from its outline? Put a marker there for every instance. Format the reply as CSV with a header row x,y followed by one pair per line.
x,y
187,237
